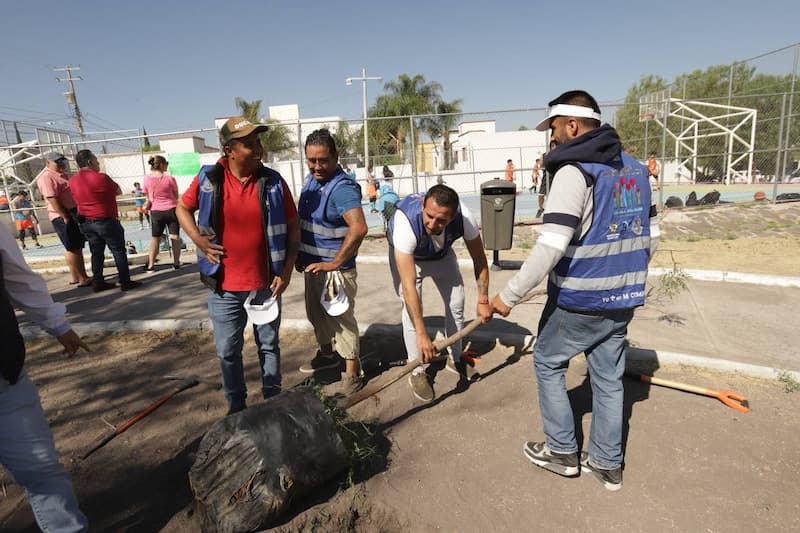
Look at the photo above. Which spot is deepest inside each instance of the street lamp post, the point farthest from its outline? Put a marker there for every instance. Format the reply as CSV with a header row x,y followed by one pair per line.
x,y
364,79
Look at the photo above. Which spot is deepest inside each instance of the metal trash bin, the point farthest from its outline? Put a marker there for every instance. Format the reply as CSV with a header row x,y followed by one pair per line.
x,y
498,203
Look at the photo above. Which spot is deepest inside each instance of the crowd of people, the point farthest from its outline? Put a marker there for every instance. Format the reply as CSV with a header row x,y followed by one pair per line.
x,y
596,241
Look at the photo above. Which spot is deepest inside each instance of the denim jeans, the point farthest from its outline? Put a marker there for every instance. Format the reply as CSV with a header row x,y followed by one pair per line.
x,y
562,336
229,318
102,232
28,452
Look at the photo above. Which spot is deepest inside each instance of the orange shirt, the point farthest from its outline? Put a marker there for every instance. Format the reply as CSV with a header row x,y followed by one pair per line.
x,y
510,172
652,167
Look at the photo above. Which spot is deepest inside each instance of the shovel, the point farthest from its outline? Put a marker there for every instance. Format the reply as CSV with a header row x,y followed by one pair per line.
x,y
729,398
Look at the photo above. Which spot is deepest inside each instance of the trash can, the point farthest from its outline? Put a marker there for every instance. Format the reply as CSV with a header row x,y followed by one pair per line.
x,y
497,213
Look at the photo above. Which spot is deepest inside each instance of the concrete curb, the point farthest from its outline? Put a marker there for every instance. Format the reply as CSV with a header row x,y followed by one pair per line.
x,y
701,275
505,338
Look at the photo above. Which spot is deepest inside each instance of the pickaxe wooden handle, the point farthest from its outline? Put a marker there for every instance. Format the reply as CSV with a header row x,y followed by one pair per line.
x,y
188,384
729,398
396,374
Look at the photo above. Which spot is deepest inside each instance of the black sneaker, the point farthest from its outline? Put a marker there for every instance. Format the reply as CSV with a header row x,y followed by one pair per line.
x,y
100,286
563,464
125,286
462,368
539,213
611,478
321,362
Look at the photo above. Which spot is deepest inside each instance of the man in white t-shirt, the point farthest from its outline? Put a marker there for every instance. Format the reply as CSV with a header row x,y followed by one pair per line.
x,y
421,234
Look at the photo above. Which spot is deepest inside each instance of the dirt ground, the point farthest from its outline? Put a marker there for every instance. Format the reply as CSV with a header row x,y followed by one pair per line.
x,y
455,464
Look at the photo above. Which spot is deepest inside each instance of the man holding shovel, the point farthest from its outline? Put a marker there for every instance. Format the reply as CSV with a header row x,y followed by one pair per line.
x,y
598,236
421,235
27,449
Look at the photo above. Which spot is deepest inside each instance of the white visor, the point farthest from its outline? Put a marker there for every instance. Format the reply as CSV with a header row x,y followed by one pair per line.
x,y
334,299
262,313
567,110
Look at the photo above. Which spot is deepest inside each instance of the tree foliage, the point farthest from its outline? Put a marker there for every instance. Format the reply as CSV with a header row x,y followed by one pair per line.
x,y
276,140
404,97
748,89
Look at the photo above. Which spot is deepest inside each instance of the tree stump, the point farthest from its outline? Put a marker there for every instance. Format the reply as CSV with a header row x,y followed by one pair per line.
x,y
251,466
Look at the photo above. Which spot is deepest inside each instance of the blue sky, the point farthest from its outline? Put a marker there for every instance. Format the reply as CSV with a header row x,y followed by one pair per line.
x,y
171,65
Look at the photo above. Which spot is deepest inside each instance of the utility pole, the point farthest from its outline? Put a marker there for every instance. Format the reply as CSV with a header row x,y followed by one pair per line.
x,y
364,79
71,98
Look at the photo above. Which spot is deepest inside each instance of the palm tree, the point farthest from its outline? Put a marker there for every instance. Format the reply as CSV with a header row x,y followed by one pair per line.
x,y
276,139
447,115
406,96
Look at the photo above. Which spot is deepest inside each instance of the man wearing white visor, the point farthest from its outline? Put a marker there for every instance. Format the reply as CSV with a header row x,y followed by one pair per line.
x,y
599,233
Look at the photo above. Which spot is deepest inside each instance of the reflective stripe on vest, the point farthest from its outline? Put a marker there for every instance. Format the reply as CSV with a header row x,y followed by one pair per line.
x,y
411,206
607,268
274,227
320,238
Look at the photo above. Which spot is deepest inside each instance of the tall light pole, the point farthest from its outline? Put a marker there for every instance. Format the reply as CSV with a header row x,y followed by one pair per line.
x,y
364,79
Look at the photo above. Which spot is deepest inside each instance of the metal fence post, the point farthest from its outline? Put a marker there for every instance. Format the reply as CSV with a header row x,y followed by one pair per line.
x,y
791,110
779,149
413,154
663,154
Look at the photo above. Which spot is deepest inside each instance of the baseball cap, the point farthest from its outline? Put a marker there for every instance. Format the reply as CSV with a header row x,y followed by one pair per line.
x,y
263,312
566,110
334,299
238,127
54,156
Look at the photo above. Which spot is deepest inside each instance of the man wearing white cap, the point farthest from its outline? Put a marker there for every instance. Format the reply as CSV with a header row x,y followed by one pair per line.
x,y
63,212
247,236
598,235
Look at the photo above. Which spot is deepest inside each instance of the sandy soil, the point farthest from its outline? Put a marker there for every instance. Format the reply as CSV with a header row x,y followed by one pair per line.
x,y
692,464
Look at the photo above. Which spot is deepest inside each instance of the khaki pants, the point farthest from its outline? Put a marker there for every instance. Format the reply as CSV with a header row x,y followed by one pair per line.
x,y
342,330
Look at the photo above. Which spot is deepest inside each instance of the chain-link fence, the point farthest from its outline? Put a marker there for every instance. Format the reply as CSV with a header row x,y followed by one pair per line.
x,y
734,127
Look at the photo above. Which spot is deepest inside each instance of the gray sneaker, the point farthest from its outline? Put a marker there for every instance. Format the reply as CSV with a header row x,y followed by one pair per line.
x,y
563,464
610,478
421,387
349,384
462,368
321,362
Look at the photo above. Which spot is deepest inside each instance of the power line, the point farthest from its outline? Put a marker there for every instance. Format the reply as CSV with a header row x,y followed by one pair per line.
x,y
71,97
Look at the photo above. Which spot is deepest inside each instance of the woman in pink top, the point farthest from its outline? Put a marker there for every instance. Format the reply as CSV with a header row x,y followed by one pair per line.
x,y
162,198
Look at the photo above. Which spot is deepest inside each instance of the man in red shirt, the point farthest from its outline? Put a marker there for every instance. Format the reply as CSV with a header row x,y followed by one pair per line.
x,y
63,211
96,195
247,237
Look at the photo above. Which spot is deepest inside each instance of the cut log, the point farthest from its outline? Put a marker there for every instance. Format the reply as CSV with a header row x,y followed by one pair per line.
x,y
251,465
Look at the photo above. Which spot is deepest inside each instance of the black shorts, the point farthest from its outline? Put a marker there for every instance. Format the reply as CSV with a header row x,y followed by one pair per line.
x,y
543,185
164,219
69,233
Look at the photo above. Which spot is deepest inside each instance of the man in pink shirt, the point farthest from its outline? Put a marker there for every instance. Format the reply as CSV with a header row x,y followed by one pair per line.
x,y
96,195
63,211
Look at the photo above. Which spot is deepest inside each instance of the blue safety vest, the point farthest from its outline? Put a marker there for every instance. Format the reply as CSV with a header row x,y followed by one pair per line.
x,y
320,238
273,217
607,268
411,206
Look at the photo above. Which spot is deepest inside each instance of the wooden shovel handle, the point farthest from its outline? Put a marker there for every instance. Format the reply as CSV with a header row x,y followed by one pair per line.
x,y
397,373
729,398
